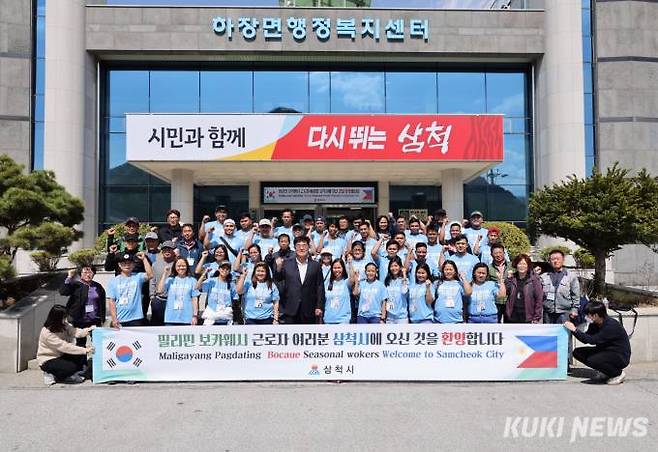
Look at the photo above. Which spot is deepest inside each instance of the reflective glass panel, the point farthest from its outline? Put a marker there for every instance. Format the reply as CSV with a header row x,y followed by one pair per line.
x,y
411,92
280,91
174,91
226,92
129,92
357,92
506,94
319,92
461,92
118,171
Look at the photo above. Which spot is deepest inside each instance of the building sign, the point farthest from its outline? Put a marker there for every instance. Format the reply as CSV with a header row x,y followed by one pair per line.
x,y
322,195
332,352
273,28
205,137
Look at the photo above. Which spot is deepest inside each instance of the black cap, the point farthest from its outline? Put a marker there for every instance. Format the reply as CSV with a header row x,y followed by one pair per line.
x,y
307,217
132,220
129,237
221,207
126,257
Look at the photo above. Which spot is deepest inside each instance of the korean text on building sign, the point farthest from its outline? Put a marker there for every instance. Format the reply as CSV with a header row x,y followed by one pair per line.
x,y
273,28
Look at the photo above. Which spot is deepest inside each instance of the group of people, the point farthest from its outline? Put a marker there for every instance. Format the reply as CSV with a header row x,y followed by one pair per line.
x,y
397,270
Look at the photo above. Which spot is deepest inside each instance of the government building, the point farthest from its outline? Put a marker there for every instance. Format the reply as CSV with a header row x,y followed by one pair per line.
x,y
330,107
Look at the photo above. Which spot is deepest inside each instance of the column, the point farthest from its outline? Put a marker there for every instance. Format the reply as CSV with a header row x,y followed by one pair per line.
x,y
560,112
182,194
254,198
383,197
70,114
452,193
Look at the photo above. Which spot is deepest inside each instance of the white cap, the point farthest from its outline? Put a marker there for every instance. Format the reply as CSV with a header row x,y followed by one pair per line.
x,y
326,251
265,222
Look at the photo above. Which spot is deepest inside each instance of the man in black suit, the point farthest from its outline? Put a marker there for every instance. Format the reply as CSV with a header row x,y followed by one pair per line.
x,y
303,299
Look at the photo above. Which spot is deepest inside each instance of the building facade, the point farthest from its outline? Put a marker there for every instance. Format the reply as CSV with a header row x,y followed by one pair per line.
x,y
558,72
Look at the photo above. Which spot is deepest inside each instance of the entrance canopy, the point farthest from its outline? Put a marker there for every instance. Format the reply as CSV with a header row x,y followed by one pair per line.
x,y
238,148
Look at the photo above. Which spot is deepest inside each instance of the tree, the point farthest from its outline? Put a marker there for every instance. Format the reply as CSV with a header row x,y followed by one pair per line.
x,y
35,211
600,213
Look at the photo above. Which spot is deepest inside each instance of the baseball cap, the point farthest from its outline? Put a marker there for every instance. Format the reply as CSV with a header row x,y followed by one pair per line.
x,y
126,257
265,222
326,251
319,219
131,220
307,217
229,221
476,213
221,207
131,237
297,226
168,244
151,236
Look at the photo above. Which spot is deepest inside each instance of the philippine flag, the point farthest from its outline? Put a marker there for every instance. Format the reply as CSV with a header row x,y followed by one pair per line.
x,y
544,352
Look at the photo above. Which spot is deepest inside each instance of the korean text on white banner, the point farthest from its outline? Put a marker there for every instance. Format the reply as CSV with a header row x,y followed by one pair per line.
x,y
428,352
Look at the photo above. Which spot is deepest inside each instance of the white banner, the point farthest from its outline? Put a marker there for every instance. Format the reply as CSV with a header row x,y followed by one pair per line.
x,y
331,352
303,195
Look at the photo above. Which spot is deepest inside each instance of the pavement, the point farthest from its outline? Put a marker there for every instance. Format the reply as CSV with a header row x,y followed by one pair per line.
x,y
277,416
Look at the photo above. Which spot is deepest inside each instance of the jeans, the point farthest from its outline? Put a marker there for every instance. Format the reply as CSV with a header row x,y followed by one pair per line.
x,y
609,363
492,318
361,319
64,366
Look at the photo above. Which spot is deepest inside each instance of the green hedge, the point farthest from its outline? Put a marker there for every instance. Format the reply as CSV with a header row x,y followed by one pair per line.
x,y
513,238
84,257
584,258
101,241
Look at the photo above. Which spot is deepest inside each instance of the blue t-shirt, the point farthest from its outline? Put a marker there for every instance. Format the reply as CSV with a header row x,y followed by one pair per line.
x,y
219,229
369,245
127,295
337,308
472,235
418,308
259,301
336,246
449,307
483,299
283,230
382,265
235,241
371,297
359,265
219,293
434,270
241,234
396,306
465,264
180,292
434,253
265,244
413,239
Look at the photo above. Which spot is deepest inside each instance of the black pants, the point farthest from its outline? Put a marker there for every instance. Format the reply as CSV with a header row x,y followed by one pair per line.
x,y
158,306
300,318
82,341
138,322
64,366
501,312
609,363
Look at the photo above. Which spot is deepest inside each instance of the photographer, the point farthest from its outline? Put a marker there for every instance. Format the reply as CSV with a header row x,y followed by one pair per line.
x,y
611,353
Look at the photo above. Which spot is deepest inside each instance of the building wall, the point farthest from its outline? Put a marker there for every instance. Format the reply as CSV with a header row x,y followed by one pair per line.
x,y
627,89
15,79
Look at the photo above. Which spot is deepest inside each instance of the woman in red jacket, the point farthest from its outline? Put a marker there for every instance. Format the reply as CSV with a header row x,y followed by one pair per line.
x,y
525,295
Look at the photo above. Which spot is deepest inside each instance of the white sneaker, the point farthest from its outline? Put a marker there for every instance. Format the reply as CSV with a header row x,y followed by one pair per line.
x,y
48,379
619,379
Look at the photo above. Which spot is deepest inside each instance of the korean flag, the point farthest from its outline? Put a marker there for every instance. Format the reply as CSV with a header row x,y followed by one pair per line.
x,y
117,356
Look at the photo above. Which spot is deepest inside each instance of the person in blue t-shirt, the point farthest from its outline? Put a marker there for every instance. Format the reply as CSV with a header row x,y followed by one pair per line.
x,y
414,234
221,294
247,259
392,249
124,293
449,305
462,258
475,232
372,297
182,306
482,302
213,228
330,240
211,259
397,288
286,226
337,290
421,296
260,296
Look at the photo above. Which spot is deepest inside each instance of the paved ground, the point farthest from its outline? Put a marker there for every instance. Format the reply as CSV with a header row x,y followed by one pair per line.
x,y
327,416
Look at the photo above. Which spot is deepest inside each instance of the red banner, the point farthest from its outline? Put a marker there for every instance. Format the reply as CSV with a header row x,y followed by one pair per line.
x,y
393,137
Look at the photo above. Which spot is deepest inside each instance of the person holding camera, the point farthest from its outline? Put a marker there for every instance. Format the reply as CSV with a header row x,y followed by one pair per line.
x,y
611,353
